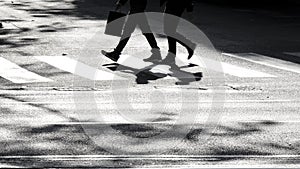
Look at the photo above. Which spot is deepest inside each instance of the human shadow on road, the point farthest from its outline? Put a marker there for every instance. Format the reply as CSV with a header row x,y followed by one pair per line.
x,y
156,71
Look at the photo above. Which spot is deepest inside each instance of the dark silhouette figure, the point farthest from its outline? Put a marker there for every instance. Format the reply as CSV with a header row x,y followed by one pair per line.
x,y
1,26
176,7
136,7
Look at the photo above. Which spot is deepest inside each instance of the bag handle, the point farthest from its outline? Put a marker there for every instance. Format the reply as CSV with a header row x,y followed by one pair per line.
x,y
118,7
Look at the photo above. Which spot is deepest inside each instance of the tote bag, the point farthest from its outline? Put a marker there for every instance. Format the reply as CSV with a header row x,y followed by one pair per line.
x,y
115,23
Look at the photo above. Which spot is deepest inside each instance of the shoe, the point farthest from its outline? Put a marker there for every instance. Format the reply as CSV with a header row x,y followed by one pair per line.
x,y
169,60
190,47
155,57
191,50
114,56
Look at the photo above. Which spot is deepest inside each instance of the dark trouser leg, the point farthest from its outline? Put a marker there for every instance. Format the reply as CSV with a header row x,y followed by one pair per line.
x,y
121,45
170,25
151,40
172,45
129,27
145,28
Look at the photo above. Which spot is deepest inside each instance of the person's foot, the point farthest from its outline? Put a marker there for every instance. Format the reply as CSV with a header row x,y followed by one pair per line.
x,y
1,25
155,57
114,56
170,59
191,50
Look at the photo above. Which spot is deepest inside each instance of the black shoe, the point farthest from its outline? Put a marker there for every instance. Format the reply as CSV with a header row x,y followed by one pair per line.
x,y
155,57
191,50
114,56
190,46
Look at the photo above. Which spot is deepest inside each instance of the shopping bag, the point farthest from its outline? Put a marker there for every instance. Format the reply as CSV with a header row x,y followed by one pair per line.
x,y
115,23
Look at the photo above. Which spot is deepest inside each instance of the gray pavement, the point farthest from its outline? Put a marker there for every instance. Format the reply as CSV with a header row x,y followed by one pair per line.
x,y
74,122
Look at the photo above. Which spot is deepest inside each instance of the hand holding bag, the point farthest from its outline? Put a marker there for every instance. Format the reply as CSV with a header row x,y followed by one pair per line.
x,y
115,23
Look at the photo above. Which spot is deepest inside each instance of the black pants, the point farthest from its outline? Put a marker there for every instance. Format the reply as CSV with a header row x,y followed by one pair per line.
x,y
171,20
138,19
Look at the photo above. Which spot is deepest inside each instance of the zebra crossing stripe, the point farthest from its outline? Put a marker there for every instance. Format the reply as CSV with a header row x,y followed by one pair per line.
x,y
206,63
227,68
267,61
17,74
75,67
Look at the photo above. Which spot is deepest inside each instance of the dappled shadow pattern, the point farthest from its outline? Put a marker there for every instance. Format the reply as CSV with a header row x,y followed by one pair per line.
x,y
26,139
225,131
85,9
53,139
37,105
14,40
141,130
237,27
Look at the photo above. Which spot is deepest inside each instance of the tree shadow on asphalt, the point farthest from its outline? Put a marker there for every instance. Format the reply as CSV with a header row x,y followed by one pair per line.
x,y
44,69
26,139
235,28
84,9
18,37
63,139
41,69
44,107
11,38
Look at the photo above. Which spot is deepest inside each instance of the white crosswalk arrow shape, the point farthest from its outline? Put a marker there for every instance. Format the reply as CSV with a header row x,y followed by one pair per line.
x,y
17,74
77,68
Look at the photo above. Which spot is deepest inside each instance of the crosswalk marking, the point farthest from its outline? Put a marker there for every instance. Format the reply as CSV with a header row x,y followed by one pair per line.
x,y
77,68
267,61
228,68
143,157
133,62
17,74
200,101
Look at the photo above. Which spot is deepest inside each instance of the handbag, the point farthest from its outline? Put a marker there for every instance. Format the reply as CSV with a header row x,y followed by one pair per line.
x,y
115,23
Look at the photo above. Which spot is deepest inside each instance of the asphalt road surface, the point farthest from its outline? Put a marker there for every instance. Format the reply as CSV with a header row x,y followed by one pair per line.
x,y
64,105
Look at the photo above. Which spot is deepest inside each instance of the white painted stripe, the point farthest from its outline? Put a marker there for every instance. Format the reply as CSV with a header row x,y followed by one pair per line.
x,y
206,63
77,68
66,93
221,166
267,61
133,62
142,157
171,121
226,68
200,101
242,72
10,166
17,74
229,165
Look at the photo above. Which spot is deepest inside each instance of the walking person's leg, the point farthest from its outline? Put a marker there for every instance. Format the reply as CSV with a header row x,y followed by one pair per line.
x,y
171,23
129,27
170,26
147,32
